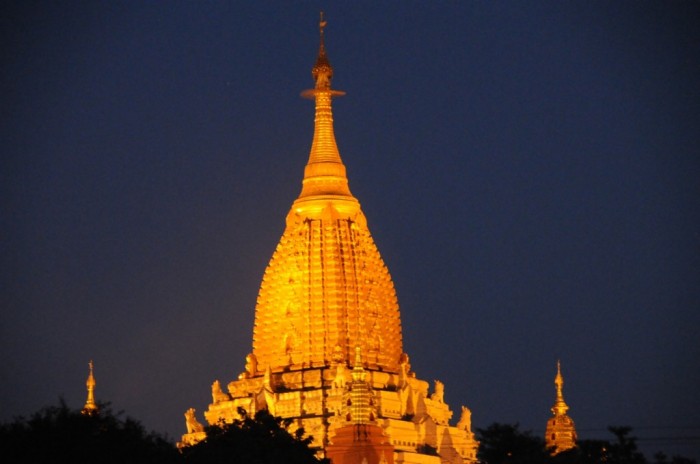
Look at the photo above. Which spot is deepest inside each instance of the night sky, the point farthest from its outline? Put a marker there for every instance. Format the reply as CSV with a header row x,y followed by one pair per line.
x,y
530,172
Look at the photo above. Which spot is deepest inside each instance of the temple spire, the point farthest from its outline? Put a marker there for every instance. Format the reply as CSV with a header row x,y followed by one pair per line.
x,y
560,434
560,407
358,372
361,439
324,175
360,393
90,407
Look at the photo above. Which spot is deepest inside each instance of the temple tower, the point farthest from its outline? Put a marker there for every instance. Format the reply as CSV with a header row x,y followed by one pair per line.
x,y
325,297
560,434
361,439
90,407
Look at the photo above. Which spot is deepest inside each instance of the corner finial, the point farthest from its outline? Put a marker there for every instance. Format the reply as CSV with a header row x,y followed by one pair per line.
x,y
90,407
358,371
91,379
358,356
559,379
560,406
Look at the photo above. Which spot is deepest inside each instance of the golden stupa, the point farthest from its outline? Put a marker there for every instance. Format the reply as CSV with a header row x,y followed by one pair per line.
x,y
90,407
560,434
326,304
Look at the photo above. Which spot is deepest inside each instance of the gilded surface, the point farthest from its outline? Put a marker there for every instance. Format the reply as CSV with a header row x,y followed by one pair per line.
x,y
90,407
560,434
325,297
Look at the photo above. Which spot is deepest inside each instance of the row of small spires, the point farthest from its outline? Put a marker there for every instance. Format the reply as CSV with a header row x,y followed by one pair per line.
x,y
559,408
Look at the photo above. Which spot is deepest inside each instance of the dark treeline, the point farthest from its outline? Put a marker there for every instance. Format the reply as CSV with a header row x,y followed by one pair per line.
x,y
505,443
59,434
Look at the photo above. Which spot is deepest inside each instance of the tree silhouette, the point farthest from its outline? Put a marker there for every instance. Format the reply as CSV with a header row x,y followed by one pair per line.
x,y
624,450
262,439
59,434
593,451
661,458
507,444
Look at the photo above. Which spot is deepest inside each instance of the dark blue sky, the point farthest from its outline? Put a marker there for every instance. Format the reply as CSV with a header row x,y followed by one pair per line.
x,y
530,172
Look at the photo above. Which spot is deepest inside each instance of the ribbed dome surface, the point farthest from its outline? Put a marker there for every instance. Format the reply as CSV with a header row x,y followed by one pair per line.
x,y
326,291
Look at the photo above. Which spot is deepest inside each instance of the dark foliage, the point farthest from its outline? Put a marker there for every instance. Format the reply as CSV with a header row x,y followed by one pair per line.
x,y
503,443
593,451
661,458
262,439
624,449
58,434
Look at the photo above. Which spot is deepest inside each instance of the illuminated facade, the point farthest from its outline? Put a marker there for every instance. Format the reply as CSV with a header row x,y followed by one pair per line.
x,y
326,312
560,434
90,407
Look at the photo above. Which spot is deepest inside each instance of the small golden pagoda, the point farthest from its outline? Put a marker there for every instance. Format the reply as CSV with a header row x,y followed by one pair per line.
x,y
561,433
325,297
361,439
90,407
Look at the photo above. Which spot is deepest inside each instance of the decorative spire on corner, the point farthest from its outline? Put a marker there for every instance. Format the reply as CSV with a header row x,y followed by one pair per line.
x,y
90,407
560,407
560,434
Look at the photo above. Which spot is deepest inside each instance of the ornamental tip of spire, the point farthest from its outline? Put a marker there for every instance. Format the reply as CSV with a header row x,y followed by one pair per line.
x,y
358,356
324,175
90,407
559,379
358,371
91,379
560,407
322,70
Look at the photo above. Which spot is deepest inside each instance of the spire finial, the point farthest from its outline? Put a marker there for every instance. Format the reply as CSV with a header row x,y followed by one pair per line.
x,y
322,70
90,407
324,174
559,379
322,46
321,25
358,370
560,406
91,379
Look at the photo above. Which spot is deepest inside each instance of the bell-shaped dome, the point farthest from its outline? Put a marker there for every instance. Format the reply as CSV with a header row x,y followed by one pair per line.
x,y
326,289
